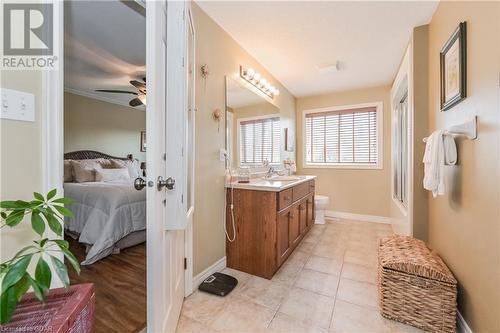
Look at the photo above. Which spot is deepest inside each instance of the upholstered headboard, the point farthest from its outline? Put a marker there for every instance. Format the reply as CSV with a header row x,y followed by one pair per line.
x,y
92,154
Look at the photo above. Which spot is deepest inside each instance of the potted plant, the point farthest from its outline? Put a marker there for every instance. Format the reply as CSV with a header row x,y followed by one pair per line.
x,y
46,212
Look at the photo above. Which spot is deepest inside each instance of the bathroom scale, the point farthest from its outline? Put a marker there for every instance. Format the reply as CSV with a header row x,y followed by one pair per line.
x,y
218,284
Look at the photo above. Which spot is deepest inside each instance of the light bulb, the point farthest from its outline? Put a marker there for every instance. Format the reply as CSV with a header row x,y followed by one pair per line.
x,y
250,73
262,83
256,78
267,86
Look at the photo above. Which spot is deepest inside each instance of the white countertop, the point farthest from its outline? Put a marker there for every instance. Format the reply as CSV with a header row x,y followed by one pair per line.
x,y
260,184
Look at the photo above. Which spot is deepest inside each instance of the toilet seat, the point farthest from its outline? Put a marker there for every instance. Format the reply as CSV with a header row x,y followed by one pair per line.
x,y
320,198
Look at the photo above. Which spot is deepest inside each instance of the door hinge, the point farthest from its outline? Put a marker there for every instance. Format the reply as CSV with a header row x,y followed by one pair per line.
x,y
182,198
185,263
164,156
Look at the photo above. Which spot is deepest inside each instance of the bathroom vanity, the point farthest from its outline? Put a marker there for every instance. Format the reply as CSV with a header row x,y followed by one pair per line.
x,y
271,218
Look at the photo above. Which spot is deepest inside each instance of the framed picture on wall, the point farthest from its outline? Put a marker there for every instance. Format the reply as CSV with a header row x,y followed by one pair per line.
x,y
143,140
453,68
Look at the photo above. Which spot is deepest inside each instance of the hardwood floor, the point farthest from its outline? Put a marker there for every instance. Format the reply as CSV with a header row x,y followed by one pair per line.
x,y
120,288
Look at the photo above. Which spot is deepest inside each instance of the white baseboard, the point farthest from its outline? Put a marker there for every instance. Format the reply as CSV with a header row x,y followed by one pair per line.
x,y
219,265
462,326
358,217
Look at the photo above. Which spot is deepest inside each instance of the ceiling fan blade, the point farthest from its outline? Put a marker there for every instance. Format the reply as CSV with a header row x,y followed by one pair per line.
x,y
116,91
135,102
137,84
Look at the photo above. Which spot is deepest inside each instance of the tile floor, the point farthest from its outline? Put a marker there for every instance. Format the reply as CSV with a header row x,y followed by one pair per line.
x,y
326,285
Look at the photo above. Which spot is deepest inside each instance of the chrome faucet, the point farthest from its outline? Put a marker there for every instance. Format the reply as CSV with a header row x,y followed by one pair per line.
x,y
270,172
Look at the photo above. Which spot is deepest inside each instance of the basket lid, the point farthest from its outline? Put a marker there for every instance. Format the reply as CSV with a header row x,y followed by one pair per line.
x,y
409,255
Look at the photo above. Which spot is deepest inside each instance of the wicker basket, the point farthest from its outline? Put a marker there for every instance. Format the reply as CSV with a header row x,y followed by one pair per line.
x,y
415,286
64,311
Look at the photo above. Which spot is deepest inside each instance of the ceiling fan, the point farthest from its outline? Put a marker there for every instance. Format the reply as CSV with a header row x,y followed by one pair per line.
x,y
140,98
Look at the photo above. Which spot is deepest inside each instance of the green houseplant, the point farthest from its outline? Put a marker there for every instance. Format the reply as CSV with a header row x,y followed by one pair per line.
x,y
15,278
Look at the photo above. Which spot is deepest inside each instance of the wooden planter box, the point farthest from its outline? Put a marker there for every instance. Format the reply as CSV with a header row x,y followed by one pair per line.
x,y
415,286
65,310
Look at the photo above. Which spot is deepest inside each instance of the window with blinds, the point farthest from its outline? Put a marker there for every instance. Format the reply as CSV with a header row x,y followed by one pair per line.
x,y
260,141
342,137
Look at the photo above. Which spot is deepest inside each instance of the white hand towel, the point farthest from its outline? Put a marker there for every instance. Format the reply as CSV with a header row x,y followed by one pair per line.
x,y
434,164
450,150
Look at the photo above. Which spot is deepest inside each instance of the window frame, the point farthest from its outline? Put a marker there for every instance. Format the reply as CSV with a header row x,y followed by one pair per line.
x,y
379,106
238,135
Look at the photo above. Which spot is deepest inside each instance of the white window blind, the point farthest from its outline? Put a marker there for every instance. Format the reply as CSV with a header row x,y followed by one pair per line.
x,y
342,137
260,141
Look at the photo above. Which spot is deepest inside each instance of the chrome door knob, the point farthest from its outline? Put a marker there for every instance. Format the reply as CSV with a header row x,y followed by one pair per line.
x,y
139,184
169,183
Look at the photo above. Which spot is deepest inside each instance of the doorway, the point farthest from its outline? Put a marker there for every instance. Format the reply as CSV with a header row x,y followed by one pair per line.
x,y
170,162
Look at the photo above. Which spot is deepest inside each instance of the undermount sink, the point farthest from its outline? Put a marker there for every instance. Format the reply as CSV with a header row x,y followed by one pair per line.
x,y
282,178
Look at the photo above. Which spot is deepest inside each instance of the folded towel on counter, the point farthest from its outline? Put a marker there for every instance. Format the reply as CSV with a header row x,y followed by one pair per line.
x,y
439,151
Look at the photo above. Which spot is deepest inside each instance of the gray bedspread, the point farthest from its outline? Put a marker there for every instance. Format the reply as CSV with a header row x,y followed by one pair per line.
x,y
105,212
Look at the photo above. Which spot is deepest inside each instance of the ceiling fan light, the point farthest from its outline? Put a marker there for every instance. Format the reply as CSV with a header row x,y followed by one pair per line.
x,y
142,98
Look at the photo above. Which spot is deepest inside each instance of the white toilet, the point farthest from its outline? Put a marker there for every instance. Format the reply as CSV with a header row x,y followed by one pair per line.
x,y
320,203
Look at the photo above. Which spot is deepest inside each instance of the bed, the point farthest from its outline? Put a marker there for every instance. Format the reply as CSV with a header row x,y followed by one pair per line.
x,y
108,215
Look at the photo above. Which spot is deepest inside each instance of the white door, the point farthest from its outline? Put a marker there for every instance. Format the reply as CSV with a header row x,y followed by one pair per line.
x,y
166,117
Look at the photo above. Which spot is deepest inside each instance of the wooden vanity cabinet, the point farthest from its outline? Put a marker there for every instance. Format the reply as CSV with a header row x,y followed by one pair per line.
x,y
269,225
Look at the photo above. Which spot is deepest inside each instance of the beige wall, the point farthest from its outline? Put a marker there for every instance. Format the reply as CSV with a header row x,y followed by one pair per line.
x,y
20,158
223,56
96,125
464,225
351,190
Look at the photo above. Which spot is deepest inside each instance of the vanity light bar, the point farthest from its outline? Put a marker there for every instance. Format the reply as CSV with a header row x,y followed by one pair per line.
x,y
251,76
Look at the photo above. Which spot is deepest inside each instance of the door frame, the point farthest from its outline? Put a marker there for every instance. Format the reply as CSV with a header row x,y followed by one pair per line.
x,y
188,233
52,133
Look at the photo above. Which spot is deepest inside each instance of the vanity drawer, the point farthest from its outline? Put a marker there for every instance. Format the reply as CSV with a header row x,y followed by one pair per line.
x,y
301,191
285,198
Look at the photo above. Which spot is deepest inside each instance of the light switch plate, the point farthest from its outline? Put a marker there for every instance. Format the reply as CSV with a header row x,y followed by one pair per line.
x,y
17,105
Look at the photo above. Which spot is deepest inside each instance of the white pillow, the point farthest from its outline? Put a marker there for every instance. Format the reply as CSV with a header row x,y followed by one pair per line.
x,y
109,175
133,167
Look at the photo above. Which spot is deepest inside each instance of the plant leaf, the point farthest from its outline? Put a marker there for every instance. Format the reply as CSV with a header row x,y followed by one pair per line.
x,y
8,204
51,194
66,201
22,286
8,299
14,218
61,271
37,223
43,241
61,243
3,214
43,275
37,289
16,272
64,211
72,259
38,196
54,223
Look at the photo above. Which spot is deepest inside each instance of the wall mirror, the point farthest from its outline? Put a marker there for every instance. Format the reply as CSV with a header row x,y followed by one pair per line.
x,y
253,128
